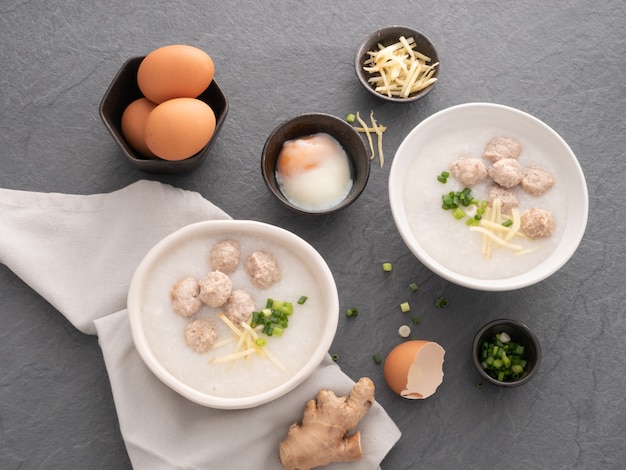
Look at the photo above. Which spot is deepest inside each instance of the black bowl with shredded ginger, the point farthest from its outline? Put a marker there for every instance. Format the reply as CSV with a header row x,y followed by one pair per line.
x,y
398,81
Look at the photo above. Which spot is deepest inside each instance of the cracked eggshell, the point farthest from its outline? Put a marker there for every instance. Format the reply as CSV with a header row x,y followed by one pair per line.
x,y
414,369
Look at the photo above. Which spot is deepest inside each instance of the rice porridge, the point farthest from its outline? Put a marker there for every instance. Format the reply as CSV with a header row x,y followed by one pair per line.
x,y
449,241
164,330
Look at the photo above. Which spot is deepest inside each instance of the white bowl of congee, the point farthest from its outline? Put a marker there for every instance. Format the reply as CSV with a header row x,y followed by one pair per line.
x,y
488,197
233,314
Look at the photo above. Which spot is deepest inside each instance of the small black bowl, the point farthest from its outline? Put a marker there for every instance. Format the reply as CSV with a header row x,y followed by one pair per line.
x,y
313,123
123,90
519,333
388,36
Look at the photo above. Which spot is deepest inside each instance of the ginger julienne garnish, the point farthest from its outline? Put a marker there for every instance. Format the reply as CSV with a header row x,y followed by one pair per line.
x,y
399,70
375,128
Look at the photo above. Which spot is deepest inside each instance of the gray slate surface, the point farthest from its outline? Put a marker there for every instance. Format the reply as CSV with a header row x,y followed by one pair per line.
x,y
561,61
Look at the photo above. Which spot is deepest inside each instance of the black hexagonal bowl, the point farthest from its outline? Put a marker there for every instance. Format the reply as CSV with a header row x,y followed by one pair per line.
x,y
313,123
388,36
123,90
519,333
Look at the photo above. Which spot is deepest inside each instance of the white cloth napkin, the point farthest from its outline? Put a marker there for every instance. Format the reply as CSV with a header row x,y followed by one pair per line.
x,y
79,252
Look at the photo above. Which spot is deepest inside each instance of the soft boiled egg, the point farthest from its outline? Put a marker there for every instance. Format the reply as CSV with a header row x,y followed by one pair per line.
x,y
414,369
313,172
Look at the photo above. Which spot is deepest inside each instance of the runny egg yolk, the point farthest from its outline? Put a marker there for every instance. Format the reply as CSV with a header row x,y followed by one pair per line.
x,y
313,172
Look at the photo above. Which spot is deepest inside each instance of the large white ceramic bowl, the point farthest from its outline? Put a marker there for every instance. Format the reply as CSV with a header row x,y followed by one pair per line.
x,y
433,235
158,332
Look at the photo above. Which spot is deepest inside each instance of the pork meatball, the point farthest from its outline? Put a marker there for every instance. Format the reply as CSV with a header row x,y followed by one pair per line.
x,y
537,223
215,288
501,147
468,171
536,180
508,199
506,172
239,307
224,256
262,269
185,297
200,335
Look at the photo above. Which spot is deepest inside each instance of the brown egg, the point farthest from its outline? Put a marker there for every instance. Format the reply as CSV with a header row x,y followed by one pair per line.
x,y
175,71
414,369
134,122
179,128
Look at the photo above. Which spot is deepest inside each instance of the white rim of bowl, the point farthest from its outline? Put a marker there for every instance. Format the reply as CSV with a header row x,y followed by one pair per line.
x,y
289,240
511,283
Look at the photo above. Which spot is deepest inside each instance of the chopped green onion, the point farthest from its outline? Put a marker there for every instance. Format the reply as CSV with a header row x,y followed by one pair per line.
x,y
415,320
441,302
458,213
302,299
404,331
387,267
405,307
260,341
350,118
414,287
507,223
335,357
352,312
377,358
503,359
274,318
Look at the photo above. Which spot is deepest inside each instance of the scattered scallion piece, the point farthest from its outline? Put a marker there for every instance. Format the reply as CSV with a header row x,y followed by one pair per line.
x,y
335,357
414,287
415,320
302,299
376,358
352,312
503,359
441,302
507,223
404,331
387,267
350,118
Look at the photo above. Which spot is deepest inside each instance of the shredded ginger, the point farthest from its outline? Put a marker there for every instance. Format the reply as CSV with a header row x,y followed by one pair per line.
x,y
399,70
368,131
494,232
246,337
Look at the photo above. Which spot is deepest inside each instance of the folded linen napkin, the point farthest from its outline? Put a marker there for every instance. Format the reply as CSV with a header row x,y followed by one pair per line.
x,y
46,238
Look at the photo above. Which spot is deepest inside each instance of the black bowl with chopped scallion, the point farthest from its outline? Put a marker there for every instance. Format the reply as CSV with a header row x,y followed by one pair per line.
x,y
506,353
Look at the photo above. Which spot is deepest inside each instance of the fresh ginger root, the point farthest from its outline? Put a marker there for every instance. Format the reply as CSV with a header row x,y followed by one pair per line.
x,y
322,438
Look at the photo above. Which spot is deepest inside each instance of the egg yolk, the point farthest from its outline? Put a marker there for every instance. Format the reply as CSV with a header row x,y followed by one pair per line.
x,y
301,155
